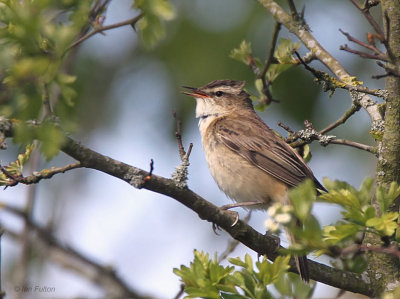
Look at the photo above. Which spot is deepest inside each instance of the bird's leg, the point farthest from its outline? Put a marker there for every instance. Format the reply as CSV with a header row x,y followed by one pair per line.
x,y
237,205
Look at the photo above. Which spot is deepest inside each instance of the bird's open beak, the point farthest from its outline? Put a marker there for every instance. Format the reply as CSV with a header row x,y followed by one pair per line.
x,y
195,92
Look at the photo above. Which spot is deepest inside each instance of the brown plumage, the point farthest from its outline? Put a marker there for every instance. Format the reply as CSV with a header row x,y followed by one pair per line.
x,y
246,158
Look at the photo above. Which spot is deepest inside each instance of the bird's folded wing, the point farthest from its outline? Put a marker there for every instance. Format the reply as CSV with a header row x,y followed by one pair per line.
x,y
262,147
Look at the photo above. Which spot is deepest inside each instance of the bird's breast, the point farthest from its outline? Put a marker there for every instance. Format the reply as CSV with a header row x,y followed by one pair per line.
x,y
238,178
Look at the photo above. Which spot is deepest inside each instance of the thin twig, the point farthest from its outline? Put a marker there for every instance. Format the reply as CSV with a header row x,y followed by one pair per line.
x,y
285,127
293,9
266,83
362,54
368,148
180,175
147,177
271,58
178,135
330,83
353,109
365,11
384,38
101,29
181,291
378,54
36,177
310,134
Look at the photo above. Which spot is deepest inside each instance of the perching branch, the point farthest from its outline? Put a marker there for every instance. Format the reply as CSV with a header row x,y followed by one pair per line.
x,y
262,244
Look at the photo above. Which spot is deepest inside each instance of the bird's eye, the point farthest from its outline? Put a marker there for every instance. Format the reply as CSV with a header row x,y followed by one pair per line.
x,y
219,93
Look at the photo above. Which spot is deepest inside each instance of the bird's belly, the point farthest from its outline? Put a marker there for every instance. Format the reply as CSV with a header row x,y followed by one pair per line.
x,y
241,180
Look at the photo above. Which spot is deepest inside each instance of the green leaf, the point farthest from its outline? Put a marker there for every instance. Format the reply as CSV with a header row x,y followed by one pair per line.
x,y
302,198
231,296
151,26
23,158
271,272
205,277
337,185
386,224
335,234
243,53
306,153
51,138
365,192
275,70
284,51
343,197
386,198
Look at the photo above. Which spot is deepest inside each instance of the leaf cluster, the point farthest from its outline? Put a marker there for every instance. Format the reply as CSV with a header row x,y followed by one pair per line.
x,y
15,168
151,26
206,278
266,72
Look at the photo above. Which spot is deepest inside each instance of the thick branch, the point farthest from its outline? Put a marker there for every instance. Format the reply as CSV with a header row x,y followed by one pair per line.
x,y
262,244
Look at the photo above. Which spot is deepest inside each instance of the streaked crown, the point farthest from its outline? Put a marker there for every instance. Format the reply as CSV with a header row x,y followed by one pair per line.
x,y
220,97
228,86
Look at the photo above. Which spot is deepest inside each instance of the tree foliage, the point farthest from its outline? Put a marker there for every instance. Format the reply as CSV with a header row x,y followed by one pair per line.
x,y
40,93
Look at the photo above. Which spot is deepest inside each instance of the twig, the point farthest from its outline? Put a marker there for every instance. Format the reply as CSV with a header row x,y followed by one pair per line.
x,y
310,134
353,109
331,83
36,177
101,29
292,8
181,291
286,128
384,39
47,108
270,60
148,176
365,11
368,148
181,171
378,54
178,135
362,54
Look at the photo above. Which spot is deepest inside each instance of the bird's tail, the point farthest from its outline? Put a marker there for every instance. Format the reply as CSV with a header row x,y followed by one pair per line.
x,y
301,261
302,267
